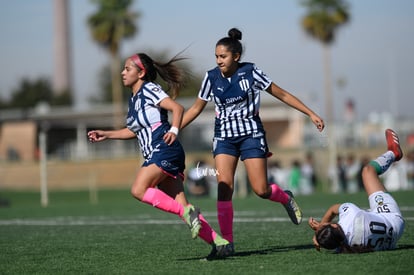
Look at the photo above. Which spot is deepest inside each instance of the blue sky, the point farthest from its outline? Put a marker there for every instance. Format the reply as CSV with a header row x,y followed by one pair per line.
x,y
373,53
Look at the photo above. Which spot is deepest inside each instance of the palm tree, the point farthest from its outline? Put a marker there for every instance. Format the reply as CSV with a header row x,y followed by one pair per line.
x,y
109,25
321,22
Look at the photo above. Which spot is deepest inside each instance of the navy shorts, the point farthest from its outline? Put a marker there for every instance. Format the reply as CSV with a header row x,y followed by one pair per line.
x,y
170,158
245,147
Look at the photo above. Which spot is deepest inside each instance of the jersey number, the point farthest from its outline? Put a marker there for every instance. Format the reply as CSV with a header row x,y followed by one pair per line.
x,y
383,209
380,239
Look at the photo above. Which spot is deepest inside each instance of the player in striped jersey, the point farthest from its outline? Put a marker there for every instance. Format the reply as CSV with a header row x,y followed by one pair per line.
x,y
164,164
357,230
235,88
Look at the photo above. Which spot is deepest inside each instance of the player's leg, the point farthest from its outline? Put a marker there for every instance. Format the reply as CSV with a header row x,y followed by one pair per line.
x,y
226,167
174,188
257,173
173,201
256,169
376,167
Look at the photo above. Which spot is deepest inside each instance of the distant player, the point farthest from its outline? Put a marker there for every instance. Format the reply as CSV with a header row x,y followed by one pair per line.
x,y
235,87
357,230
159,182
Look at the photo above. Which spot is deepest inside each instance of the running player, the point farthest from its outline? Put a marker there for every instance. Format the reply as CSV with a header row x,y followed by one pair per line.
x,y
235,88
357,230
164,164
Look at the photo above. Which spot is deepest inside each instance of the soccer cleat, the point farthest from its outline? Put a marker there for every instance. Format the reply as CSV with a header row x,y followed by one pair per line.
x,y
293,209
221,249
224,251
190,216
393,144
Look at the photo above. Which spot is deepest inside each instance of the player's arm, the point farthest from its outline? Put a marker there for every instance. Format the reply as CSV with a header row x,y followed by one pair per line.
x,y
331,213
100,135
296,103
193,112
177,115
328,217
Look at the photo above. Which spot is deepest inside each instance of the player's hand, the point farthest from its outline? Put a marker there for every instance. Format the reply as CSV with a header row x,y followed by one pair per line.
x,y
319,123
96,135
169,138
315,243
314,224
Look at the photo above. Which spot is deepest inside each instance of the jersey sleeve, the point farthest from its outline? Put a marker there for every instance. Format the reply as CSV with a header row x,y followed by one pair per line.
x,y
155,93
262,80
205,90
348,209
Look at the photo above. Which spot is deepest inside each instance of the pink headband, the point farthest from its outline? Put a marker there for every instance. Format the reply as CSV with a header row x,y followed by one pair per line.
x,y
135,58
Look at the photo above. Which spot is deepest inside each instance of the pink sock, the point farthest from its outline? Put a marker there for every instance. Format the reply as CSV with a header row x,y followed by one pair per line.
x,y
206,232
160,200
225,219
278,194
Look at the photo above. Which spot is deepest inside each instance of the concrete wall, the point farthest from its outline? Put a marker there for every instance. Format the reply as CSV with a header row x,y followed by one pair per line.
x,y
18,140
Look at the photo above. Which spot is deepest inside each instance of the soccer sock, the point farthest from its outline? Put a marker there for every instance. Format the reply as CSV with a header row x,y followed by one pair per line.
x,y
206,232
160,200
278,194
383,162
225,219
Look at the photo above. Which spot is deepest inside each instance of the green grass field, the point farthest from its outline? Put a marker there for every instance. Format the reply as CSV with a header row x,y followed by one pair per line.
x,y
119,235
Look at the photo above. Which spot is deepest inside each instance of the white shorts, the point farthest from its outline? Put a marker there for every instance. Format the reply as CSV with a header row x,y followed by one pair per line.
x,y
383,204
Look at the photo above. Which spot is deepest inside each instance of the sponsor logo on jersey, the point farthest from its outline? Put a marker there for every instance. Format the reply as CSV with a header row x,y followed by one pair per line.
x,y
234,99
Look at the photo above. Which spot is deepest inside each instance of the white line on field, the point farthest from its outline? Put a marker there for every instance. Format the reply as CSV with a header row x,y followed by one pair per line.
x,y
78,221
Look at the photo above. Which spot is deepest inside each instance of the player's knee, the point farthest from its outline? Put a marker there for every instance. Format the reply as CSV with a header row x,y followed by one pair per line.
x,y
137,193
367,170
225,190
264,193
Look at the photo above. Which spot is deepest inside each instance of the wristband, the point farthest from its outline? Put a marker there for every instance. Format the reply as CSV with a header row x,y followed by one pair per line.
x,y
174,130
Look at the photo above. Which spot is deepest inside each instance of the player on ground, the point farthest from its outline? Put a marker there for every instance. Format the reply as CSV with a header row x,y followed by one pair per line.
x,y
357,230
164,164
235,88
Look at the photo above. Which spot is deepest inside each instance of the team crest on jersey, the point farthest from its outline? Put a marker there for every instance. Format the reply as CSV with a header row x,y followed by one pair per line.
x,y
379,199
244,85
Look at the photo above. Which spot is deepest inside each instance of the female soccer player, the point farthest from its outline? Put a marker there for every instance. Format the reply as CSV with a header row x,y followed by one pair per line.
x,y
235,88
164,164
357,230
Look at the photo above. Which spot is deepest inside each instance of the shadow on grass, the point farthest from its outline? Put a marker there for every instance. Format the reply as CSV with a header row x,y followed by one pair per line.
x,y
274,249
270,250
405,247
278,249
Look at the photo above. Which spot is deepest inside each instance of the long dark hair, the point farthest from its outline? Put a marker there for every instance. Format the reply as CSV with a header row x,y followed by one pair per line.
x,y
330,237
232,41
173,75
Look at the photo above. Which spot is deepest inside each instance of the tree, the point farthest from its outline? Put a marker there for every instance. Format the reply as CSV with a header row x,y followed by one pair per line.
x,y
32,92
321,22
109,25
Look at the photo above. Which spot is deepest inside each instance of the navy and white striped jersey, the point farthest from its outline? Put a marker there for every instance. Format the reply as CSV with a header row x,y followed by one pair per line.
x,y
145,116
237,99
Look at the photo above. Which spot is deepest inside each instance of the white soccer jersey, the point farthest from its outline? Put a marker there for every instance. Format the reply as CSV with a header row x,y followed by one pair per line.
x,y
145,115
237,99
368,228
